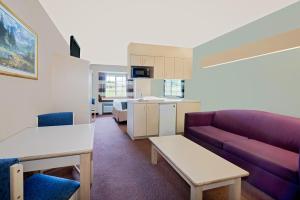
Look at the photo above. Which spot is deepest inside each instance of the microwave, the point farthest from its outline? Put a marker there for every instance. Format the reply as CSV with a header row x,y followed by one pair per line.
x,y
141,72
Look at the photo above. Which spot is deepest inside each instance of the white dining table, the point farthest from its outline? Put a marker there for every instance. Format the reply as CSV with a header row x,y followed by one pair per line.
x,y
42,148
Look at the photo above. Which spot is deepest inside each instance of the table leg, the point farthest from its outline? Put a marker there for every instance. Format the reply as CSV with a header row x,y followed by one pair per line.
x,y
153,155
235,190
92,170
196,193
85,176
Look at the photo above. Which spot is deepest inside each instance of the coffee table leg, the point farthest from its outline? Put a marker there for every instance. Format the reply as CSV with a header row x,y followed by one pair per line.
x,y
235,190
196,193
153,155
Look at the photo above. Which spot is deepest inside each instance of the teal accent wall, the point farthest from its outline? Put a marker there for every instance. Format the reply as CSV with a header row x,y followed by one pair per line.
x,y
270,82
157,88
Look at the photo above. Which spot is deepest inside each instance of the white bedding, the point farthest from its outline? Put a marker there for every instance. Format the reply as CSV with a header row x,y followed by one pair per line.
x,y
117,104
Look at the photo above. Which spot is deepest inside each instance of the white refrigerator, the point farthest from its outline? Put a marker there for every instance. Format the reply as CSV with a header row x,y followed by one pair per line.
x,y
167,119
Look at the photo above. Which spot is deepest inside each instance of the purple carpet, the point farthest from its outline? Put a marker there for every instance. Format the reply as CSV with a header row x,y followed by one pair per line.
x,y
122,168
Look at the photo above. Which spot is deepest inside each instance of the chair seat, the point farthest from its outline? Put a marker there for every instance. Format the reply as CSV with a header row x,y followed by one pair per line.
x,y
44,187
213,135
278,161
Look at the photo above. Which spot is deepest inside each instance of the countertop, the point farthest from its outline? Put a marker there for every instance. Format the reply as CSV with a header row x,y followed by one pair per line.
x,y
163,101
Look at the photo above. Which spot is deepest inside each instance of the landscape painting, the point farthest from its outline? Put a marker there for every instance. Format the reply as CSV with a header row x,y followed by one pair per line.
x,y
18,46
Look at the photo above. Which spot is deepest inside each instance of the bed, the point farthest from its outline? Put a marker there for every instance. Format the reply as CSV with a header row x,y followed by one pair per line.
x,y
120,110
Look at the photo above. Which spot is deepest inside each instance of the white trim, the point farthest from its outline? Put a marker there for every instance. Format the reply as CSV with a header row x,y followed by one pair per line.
x,y
257,56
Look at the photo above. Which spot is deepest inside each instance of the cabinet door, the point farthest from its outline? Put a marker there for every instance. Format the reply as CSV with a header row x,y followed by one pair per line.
x,y
148,61
159,67
135,60
187,68
178,68
182,108
152,118
140,118
169,67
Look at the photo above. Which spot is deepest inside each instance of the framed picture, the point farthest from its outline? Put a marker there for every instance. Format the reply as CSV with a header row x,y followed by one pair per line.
x,y
18,46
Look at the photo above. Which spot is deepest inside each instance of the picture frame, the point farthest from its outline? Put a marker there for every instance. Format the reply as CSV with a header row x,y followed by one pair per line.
x,y
18,46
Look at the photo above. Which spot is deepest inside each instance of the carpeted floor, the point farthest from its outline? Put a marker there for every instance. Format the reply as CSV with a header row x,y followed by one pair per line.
x,y
122,170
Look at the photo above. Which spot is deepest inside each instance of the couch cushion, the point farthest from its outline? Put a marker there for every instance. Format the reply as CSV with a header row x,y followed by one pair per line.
x,y
278,161
213,136
278,130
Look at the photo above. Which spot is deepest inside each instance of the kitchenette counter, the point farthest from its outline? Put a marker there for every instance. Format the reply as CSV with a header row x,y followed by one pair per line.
x,y
146,116
163,100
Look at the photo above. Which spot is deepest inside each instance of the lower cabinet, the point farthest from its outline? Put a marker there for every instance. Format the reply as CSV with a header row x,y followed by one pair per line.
x,y
139,120
152,119
142,119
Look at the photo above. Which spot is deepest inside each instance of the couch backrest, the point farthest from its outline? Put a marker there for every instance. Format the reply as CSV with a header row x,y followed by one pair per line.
x,y
278,130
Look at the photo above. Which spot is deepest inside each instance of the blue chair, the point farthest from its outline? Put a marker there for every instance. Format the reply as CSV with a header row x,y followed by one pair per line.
x,y
36,187
55,119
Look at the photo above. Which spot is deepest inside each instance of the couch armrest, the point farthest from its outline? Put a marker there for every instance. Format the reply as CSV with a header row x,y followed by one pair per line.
x,y
198,119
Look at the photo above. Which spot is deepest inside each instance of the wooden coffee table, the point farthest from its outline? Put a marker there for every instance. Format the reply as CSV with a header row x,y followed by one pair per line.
x,y
200,168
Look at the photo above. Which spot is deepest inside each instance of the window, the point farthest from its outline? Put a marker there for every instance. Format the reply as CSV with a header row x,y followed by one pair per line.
x,y
115,85
174,88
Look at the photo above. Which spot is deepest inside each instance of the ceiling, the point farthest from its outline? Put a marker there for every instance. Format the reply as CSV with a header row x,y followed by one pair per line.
x,y
104,28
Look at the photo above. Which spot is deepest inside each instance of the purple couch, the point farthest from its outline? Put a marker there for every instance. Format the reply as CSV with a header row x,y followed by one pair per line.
x,y
265,144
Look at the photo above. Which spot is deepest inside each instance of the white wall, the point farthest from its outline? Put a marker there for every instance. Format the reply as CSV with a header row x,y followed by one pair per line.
x,y
71,87
22,99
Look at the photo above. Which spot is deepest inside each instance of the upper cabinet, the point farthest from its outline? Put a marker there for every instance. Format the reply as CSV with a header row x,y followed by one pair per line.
x,y
167,62
147,60
178,68
135,60
138,60
159,67
169,67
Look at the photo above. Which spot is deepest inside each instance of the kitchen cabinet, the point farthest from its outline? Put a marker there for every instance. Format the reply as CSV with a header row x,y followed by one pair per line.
x,y
159,67
168,62
148,61
178,68
182,108
165,67
139,60
169,67
187,68
135,60
139,120
152,119
142,119
147,119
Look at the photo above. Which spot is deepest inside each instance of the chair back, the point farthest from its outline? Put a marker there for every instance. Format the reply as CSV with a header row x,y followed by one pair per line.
x,y
5,165
55,119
